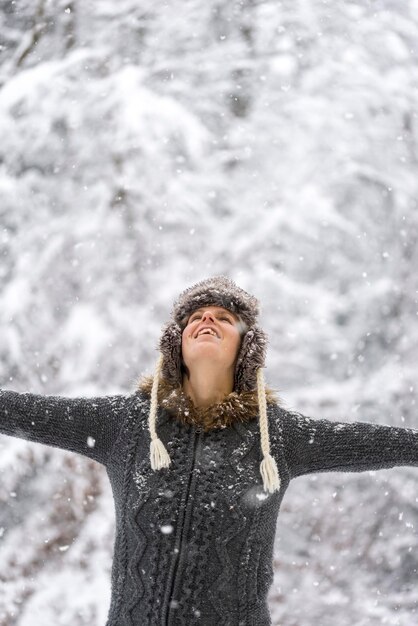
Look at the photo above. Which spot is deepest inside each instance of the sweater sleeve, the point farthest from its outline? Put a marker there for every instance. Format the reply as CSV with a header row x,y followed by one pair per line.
x,y
321,445
88,426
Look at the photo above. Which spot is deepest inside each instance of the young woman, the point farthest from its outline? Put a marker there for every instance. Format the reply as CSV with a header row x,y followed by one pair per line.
x,y
197,502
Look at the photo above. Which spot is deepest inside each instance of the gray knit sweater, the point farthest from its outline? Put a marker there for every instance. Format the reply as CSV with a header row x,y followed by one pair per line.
x,y
194,541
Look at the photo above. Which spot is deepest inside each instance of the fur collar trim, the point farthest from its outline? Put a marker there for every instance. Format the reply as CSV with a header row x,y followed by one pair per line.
x,y
236,407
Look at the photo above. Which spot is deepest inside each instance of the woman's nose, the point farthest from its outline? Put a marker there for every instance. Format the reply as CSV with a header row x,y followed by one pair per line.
x,y
208,315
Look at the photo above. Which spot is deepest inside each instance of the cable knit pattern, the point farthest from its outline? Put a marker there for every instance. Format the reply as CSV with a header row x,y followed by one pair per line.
x,y
199,547
170,502
194,541
137,583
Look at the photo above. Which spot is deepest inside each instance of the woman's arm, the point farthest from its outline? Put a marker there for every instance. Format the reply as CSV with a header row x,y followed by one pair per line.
x,y
321,445
88,426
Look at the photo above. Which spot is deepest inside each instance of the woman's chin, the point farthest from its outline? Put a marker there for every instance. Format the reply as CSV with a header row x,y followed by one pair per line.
x,y
206,351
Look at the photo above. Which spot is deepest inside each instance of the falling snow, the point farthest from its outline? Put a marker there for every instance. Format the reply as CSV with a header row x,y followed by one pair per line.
x,y
140,152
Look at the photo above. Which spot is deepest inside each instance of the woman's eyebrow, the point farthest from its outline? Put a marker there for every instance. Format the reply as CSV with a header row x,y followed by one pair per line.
x,y
234,317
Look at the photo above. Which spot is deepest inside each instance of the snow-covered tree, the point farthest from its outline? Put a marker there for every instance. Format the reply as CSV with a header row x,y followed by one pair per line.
x,y
147,145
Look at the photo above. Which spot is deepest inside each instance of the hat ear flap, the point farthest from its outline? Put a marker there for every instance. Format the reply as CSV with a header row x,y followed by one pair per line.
x,y
251,356
170,347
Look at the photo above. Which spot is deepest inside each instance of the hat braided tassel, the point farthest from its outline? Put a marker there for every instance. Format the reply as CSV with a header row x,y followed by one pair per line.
x,y
159,455
268,467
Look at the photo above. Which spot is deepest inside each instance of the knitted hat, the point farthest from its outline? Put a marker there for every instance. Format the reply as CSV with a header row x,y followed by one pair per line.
x,y
217,291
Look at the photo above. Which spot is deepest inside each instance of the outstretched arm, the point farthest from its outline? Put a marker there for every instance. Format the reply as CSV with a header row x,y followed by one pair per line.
x,y
321,445
88,426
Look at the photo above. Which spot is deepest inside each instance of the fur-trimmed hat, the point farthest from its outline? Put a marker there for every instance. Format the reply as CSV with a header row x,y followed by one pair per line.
x,y
224,292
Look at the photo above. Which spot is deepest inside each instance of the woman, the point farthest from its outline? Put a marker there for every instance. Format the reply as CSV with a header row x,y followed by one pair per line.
x,y
197,503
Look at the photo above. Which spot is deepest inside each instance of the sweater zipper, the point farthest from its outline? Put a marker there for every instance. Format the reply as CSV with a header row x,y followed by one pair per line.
x,y
179,548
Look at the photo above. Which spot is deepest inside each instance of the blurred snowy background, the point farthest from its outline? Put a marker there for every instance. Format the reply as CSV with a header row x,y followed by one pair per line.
x,y
145,146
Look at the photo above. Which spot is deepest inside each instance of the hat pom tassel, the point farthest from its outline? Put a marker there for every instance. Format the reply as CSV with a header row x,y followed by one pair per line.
x,y
269,473
159,455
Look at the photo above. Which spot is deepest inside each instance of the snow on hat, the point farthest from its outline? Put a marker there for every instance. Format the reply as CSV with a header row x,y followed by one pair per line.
x,y
216,291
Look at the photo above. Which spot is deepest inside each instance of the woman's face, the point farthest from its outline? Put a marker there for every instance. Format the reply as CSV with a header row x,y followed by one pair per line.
x,y
220,345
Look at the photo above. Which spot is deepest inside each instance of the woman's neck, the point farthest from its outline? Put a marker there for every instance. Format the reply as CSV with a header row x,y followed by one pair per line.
x,y
206,386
